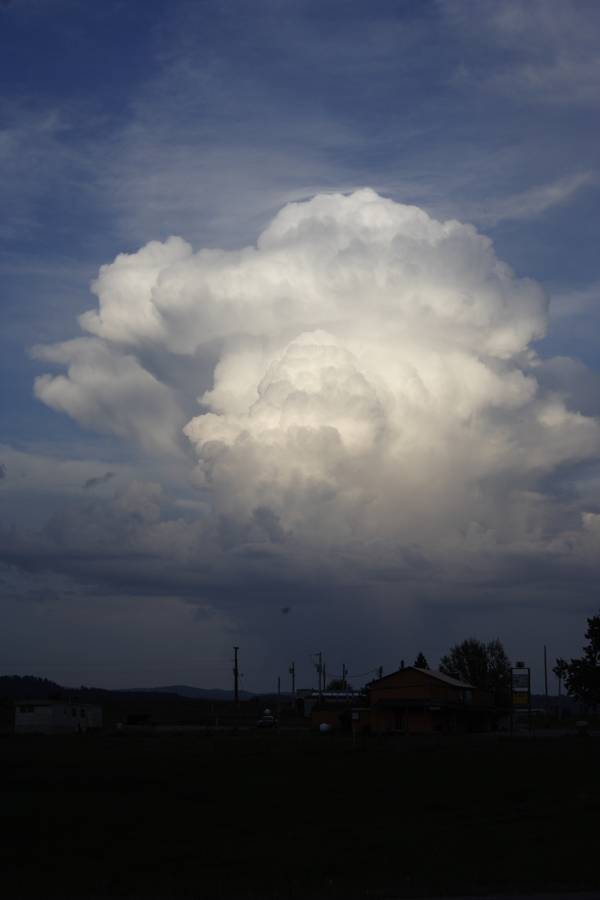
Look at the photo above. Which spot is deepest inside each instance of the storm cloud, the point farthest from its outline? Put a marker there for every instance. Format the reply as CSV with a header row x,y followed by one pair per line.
x,y
376,395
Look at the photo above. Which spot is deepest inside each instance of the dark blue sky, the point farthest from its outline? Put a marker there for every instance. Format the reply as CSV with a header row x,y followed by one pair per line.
x,y
127,122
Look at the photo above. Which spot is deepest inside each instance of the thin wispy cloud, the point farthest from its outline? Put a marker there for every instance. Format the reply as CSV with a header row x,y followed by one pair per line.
x,y
535,201
550,49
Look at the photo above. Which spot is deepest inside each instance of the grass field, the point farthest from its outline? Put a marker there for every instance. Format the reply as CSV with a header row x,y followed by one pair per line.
x,y
305,816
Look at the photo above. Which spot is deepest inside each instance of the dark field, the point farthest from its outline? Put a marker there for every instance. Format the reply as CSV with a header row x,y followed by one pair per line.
x,y
306,816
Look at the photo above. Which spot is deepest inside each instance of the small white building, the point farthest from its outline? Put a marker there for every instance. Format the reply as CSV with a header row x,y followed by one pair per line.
x,y
56,717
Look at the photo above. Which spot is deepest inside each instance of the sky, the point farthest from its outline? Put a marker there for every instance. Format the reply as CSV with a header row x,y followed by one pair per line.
x,y
299,349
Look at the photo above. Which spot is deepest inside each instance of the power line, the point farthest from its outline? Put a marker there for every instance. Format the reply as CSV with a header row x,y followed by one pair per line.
x,y
362,674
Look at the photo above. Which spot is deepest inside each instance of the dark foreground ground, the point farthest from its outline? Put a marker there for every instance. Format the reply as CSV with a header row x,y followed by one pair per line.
x,y
297,816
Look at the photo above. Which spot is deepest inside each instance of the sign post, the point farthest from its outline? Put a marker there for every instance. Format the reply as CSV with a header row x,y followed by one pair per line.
x,y
521,692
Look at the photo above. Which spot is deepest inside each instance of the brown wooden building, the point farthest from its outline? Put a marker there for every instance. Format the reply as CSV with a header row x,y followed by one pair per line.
x,y
418,701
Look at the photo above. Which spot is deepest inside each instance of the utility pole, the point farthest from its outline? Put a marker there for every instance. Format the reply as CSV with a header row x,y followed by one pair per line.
x,y
546,676
344,675
292,671
278,695
236,677
324,677
319,668
380,671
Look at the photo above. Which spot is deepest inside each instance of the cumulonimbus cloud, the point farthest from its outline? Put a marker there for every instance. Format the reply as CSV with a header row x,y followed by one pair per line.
x,y
376,379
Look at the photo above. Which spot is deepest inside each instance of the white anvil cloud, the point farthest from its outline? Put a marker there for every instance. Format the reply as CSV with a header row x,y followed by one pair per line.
x,y
376,380
350,263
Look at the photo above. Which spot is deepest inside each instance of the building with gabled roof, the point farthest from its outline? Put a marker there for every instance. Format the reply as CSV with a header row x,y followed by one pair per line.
x,y
418,701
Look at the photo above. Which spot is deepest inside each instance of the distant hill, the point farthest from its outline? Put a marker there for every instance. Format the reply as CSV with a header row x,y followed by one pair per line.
x,y
28,687
194,693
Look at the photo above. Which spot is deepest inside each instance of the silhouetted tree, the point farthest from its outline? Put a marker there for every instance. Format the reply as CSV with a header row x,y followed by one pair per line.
x,y
485,666
582,676
421,662
337,684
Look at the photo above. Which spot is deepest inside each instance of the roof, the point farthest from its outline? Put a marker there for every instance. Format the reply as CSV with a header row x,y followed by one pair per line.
x,y
38,701
47,702
439,676
332,695
447,679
